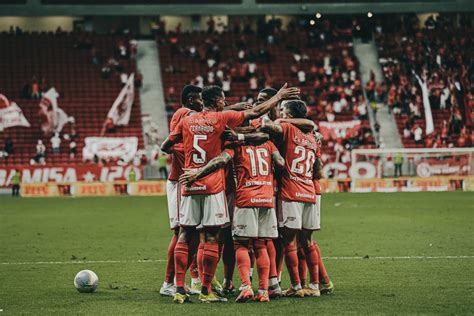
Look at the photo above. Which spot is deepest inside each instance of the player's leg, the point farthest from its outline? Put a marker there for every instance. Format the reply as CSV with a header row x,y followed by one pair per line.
x,y
267,229
326,285
168,288
311,222
302,267
290,224
215,215
193,267
244,227
190,214
228,253
173,192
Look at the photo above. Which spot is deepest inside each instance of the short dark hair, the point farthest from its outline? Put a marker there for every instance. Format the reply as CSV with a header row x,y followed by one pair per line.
x,y
269,91
297,108
187,91
210,94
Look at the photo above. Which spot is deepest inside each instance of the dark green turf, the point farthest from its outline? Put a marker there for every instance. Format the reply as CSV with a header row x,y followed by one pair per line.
x,y
130,229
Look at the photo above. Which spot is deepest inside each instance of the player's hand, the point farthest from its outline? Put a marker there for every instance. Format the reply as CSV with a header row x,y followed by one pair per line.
x,y
189,176
288,93
230,134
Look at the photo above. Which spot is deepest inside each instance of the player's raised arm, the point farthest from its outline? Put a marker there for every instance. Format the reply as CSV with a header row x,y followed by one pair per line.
x,y
253,137
283,93
241,106
191,175
305,125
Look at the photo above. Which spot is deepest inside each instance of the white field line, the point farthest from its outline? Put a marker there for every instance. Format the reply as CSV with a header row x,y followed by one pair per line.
x,y
163,260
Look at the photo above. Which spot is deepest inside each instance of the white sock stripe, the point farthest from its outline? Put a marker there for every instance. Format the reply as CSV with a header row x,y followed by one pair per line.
x,y
164,260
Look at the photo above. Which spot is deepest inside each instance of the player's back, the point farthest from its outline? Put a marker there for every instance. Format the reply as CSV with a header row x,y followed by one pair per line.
x,y
202,139
253,167
299,150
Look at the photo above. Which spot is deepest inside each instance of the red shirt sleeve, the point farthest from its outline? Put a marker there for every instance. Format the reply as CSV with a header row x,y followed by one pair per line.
x,y
230,151
233,118
286,128
177,133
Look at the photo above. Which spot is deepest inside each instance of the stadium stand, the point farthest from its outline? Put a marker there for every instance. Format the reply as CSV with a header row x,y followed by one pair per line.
x,y
65,61
319,59
440,53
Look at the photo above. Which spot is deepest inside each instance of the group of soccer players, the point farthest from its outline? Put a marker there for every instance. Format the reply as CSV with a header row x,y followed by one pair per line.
x,y
244,186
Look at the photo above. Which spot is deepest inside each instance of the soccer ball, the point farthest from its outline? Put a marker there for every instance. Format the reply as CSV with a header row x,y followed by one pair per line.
x,y
86,281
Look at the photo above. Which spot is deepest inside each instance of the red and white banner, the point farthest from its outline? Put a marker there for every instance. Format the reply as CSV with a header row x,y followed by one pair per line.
x,y
334,130
122,107
52,117
113,148
11,114
433,167
67,174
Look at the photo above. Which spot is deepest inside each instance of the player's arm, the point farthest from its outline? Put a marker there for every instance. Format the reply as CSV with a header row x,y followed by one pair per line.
x,y
283,93
254,137
278,160
191,175
272,128
303,124
241,106
175,137
318,169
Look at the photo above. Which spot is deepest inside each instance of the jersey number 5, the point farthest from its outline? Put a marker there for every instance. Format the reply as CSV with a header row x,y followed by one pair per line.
x,y
300,167
199,157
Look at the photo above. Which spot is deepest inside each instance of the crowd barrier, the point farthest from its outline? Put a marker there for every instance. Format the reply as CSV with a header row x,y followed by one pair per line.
x,y
157,188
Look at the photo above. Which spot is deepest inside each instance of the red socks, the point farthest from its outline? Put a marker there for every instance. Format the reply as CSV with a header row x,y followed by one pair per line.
x,y
272,256
199,259
323,275
280,254
169,276
302,265
243,261
263,263
210,259
181,253
291,260
312,259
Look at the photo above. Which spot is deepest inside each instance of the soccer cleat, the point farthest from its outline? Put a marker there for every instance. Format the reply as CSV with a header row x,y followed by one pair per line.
x,y
291,292
312,290
228,289
275,292
326,288
211,298
217,287
245,295
262,296
181,298
168,289
195,288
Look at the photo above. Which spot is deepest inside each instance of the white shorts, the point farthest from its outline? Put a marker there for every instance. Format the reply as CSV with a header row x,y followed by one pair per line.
x,y
318,206
255,222
205,210
173,193
299,215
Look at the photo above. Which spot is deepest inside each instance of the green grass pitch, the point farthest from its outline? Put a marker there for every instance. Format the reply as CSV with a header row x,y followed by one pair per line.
x,y
411,243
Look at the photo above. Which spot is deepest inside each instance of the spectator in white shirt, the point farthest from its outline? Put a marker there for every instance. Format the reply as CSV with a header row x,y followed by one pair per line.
x,y
418,132
123,78
302,77
226,85
40,148
56,143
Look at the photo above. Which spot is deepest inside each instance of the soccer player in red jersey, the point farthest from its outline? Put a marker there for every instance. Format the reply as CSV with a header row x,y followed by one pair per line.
x,y
203,202
191,101
255,218
297,209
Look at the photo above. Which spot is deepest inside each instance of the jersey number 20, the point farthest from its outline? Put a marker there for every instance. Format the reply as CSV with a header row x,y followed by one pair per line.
x,y
304,163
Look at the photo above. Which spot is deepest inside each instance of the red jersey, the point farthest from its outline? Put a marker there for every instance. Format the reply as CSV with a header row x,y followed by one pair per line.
x,y
253,167
177,156
317,187
202,139
299,150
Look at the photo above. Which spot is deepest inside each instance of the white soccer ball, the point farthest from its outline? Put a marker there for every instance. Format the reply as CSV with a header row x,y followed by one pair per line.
x,y
86,281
